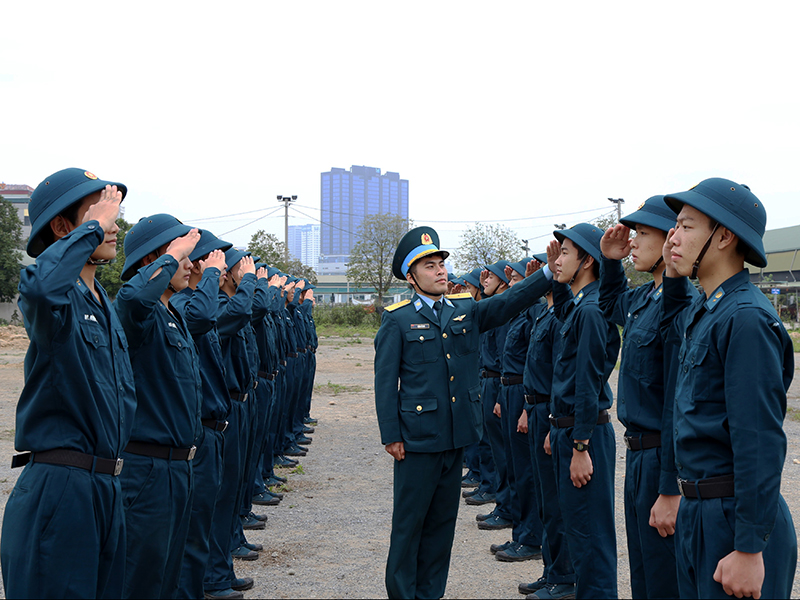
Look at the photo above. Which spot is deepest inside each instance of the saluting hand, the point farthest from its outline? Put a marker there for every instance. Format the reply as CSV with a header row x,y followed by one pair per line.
x,y
532,266
180,248
215,258
666,252
507,271
616,243
261,273
246,265
106,210
300,284
553,252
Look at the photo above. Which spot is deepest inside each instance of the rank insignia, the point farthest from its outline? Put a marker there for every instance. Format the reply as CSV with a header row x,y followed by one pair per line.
x,y
426,239
718,295
420,326
459,318
90,175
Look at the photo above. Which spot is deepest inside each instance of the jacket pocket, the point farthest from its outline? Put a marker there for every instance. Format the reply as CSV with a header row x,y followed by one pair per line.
x,y
422,346
418,418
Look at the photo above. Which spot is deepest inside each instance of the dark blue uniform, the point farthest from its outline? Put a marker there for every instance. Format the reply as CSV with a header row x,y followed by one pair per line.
x,y
158,491
734,367
199,310
435,413
642,409
63,527
543,349
589,350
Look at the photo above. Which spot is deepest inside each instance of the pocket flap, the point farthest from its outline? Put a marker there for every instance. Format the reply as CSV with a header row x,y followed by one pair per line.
x,y
418,405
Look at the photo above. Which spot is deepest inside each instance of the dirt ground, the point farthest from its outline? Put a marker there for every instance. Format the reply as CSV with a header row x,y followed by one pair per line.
x,y
330,535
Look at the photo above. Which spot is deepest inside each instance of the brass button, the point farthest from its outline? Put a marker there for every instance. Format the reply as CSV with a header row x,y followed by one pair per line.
x,y
419,407
448,356
464,330
422,338
451,378
454,398
444,335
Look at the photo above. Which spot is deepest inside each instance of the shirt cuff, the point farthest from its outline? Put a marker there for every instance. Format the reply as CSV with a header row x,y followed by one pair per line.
x,y
547,273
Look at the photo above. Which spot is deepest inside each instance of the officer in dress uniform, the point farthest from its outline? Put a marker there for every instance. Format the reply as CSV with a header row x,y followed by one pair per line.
x,y
734,533
581,435
157,483
429,344
651,485
63,527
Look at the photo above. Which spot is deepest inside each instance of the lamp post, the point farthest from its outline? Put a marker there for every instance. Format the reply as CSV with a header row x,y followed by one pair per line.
x,y
619,202
560,225
286,201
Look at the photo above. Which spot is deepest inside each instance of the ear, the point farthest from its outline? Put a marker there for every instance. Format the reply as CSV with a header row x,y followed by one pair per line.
x,y
727,238
148,259
589,263
60,227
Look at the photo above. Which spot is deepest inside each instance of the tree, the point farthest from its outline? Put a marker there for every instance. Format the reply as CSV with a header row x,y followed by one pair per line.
x,y
271,250
635,278
10,255
371,257
486,244
109,275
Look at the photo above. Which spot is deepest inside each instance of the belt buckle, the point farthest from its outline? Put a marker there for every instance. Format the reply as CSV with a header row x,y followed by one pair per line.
x,y
192,452
224,427
680,486
244,398
118,466
627,442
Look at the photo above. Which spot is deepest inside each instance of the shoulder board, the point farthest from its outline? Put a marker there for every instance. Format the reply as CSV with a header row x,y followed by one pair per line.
x,y
397,305
462,296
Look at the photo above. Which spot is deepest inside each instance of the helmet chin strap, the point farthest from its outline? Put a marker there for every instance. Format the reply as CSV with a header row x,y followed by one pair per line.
x,y
578,270
95,262
700,256
655,264
420,287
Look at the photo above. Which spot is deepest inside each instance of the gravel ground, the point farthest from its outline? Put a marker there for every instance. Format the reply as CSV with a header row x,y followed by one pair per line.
x,y
330,535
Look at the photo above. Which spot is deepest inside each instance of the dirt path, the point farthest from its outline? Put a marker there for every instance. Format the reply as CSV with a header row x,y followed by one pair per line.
x,y
329,537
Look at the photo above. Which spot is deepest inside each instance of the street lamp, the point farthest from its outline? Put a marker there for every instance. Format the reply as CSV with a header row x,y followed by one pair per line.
x,y
286,200
560,225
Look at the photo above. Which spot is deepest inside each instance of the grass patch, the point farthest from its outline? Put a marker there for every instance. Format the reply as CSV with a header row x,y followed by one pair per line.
x,y
795,336
336,388
298,470
346,331
793,414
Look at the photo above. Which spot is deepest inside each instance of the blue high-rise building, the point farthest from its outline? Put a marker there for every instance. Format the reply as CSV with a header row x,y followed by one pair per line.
x,y
346,197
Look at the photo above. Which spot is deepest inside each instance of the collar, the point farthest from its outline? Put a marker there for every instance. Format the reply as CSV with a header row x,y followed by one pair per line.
x,y
587,289
429,301
727,286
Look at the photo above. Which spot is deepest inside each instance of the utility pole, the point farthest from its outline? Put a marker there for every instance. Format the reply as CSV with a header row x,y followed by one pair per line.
x,y
619,202
560,225
525,248
286,201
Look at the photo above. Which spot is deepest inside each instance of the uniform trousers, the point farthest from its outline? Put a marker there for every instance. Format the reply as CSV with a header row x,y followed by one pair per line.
x,y
527,526
472,459
305,381
654,573
157,496
247,426
63,534
207,468
290,399
493,433
555,549
219,570
312,372
258,431
588,512
704,535
265,448
427,488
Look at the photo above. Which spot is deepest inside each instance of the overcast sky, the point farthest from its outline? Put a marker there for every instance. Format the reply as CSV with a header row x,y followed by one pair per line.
x,y
492,111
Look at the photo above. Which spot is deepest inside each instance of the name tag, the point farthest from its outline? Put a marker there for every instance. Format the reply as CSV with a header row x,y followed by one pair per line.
x,y
420,326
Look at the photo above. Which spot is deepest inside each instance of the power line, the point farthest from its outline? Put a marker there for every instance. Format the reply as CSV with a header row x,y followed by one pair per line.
x,y
250,223
249,212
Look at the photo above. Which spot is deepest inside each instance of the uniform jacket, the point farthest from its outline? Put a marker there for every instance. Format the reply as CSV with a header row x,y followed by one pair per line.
x,y
427,392
79,390
543,349
735,365
233,319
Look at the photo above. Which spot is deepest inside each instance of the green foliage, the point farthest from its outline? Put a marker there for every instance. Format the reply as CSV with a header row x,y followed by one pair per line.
x,y
635,278
370,260
486,244
10,255
271,250
347,315
109,275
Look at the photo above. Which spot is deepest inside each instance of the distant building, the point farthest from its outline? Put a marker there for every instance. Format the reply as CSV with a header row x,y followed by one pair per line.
x,y
19,196
304,244
346,197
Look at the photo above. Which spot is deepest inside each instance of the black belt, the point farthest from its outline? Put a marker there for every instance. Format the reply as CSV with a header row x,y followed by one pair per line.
x,y
643,442
159,451
536,398
70,458
283,363
512,380
240,396
214,424
703,489
562,422
301,351
312,350
489,373
267,376
292,354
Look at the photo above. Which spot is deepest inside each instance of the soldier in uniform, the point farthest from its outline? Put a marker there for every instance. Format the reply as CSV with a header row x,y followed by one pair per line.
x,y
63,527
429,345
651,485
157,483
734,532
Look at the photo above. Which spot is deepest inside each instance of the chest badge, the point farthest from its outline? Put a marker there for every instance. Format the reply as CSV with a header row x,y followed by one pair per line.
x,y
459,318
171,324
420,326
90,318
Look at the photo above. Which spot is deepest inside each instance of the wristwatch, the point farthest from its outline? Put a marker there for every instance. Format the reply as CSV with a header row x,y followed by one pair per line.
x,y
580,446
